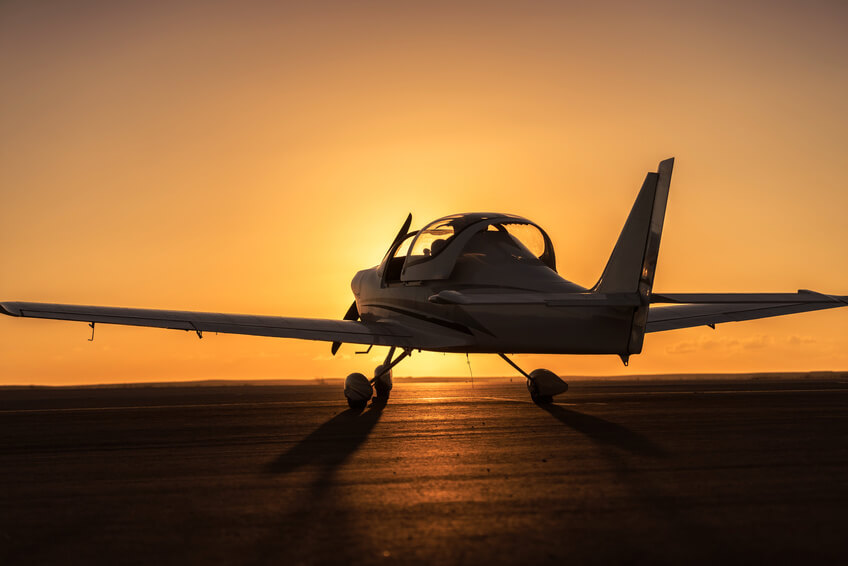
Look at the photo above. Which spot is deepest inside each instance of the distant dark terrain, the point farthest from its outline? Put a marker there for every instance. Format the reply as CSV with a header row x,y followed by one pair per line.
x,y
694,470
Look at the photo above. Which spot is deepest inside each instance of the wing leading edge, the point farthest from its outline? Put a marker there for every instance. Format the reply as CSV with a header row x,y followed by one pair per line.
x,y
377,333
709,309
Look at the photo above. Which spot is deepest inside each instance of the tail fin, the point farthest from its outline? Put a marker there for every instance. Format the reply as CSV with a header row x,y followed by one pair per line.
x,y
633,262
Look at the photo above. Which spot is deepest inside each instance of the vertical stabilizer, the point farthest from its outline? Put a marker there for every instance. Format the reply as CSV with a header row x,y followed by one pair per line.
x,y
633,262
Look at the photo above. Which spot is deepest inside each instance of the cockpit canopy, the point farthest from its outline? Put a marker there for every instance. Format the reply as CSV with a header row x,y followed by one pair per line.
x,y
433,252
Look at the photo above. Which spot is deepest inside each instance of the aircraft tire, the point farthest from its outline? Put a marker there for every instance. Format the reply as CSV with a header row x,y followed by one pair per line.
x,y
533,388
357,391
383,385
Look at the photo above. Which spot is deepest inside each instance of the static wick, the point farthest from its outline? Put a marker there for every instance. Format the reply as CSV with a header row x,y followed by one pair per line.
x,y
468,360
91,324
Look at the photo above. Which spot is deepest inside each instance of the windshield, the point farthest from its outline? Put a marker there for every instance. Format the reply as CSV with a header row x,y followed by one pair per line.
x,y
525,240
434,237
528,235
431,240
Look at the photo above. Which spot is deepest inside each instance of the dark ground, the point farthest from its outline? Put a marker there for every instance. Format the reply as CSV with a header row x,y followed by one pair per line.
x,y
717,472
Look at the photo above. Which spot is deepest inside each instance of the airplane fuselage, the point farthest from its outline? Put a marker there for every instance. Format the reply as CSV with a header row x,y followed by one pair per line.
x,y
520,328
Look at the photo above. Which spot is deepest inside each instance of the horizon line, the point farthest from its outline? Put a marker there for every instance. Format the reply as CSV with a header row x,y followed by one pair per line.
x,y
259,382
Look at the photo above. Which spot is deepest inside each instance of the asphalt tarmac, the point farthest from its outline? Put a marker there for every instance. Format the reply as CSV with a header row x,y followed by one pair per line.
x,y
746,471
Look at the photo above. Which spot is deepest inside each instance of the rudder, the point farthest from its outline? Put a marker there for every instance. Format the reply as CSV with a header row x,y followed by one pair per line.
x,y
633,262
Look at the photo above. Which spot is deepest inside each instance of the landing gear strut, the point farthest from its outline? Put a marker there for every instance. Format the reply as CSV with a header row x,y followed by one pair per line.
x,y
383,374
358,389
541,383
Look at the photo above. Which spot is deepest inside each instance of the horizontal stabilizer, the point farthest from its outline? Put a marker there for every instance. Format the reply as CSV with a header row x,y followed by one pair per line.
x,y
709,309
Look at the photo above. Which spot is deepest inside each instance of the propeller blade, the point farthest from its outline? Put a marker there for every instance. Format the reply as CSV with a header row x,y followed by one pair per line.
x,y
351,314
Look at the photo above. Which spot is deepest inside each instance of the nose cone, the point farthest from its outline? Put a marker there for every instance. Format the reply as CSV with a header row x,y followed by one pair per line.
x,y
356,282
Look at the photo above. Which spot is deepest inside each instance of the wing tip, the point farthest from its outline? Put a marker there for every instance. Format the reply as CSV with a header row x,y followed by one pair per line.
x,y
9,309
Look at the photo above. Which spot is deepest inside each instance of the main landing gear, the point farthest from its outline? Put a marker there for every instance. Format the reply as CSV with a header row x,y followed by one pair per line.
x,y
542,384
358,389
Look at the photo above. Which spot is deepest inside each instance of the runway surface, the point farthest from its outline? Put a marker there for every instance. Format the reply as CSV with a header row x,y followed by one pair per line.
x,y
659,472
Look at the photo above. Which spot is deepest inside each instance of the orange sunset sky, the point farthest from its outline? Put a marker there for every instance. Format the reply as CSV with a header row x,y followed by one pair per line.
x,y
249,157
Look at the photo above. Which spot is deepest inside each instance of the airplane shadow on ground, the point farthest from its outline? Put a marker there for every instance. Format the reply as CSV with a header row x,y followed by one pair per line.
x,y
663,504
330,445
605,432
314,517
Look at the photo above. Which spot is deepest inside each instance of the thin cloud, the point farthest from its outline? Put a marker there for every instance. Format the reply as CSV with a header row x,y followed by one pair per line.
x,y
796,340
717,345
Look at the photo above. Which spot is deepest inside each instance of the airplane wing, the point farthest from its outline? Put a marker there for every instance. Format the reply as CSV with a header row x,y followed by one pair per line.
x,y
709,309
377,333
667,311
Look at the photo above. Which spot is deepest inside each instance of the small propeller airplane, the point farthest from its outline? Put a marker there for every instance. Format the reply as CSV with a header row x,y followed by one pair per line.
x,y
487,283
